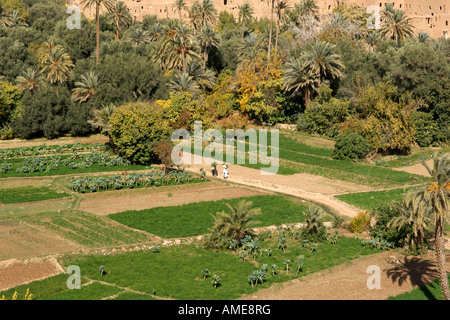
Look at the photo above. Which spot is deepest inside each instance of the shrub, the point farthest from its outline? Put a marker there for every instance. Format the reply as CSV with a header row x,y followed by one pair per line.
x,y
350,146
302,124
6,133
360,223
136,128
234,121
425,128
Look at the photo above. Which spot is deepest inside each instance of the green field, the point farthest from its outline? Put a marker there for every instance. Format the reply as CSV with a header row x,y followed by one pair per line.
x,y
430,291
195,218
28,194
175,272
372,199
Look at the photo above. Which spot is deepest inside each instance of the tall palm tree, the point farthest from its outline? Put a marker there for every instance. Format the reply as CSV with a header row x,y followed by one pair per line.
x,y
298,76
207,38
205,78
396,25
119,16
56,65
179,6
203,13
88,4
245,15
322,60
16,19
435,196
281,7
272,8
29,80
86,88
423,37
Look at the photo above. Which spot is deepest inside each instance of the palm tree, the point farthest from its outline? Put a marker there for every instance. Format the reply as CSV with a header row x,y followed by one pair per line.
x,y
56,64
102,118
396,25
269,47
5,20
207,38
322,60
245,15
414,216
249,47
205,78
180,5
306,8
86,88
119,15
138,36
202,14
29,80
281,7
16,19
183,82
234,224
435,198
298,76
313,216
423,37
98,4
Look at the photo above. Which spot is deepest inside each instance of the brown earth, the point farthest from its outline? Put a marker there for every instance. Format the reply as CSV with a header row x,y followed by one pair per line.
x,y
417,168
19,143
20,240
348,281
15,273
104,203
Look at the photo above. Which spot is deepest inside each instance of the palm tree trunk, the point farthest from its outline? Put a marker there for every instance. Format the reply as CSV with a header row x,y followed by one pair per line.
x,y
97,18
243,28
117,29
440,259
205,57
270,31
306,97
277,32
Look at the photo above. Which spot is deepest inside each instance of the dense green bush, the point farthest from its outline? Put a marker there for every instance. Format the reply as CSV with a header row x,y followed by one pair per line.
x,y
350,146
425,133
136,128
383,214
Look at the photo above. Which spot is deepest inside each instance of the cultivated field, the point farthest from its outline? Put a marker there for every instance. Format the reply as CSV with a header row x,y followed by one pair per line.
x,y
73,202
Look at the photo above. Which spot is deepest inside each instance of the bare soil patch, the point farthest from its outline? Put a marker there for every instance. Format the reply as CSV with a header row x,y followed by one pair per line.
x,y
417,168
349,281
104,203
19,143
20,240
7,183
17,273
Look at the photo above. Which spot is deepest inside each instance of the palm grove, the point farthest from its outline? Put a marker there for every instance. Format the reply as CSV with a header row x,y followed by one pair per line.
x,y
374,91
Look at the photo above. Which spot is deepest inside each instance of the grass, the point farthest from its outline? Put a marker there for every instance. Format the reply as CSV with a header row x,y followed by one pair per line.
x,y
29,194
93,291
195,218
175,272
372,199
430,291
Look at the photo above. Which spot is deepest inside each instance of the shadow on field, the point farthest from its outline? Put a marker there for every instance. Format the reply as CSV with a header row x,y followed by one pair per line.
x,y
417,271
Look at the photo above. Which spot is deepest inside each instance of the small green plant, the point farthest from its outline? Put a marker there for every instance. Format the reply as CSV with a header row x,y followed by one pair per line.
x,y
155,249
287,262
274,268
360,223
102,270
205,273
299,262
215,280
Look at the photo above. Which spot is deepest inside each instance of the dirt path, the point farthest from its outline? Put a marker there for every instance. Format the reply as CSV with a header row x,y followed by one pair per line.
x,y
19,143
310,187
349,281
105,203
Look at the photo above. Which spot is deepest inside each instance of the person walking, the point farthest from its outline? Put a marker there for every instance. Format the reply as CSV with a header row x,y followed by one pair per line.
x,y
225,171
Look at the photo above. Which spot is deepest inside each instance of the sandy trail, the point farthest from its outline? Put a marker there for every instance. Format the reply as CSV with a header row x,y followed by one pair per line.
x,y
309,187
349,280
